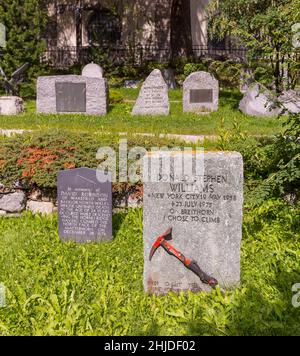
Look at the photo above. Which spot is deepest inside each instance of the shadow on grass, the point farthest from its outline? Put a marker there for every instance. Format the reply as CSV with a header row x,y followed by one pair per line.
x,y
254,315
118,220
230,98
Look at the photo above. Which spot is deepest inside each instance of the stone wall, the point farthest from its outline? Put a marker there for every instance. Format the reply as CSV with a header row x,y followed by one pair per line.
x,y
15,201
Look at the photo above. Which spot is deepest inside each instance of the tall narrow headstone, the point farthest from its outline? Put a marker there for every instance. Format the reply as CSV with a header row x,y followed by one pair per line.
x,y
153,98
204,210
84,205
200,93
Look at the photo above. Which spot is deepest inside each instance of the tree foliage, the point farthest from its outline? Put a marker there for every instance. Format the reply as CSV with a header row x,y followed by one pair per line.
x,y
266,29
25,22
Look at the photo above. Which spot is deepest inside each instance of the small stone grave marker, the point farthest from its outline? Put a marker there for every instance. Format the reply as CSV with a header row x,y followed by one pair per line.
x,y
92,70
205,214
200,93
84,206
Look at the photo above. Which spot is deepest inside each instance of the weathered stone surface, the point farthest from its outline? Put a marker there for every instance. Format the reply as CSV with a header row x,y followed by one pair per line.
x,y
169,77
153,98
92,70
205,212
291,101
13,202
200,93
84,205
11,105
92,94
40,207
256,103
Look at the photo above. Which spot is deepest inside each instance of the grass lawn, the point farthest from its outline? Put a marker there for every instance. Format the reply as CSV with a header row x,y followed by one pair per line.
x,y
119,118
55,288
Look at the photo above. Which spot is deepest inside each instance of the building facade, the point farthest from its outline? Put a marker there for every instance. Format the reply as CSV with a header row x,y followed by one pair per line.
x,y
135,30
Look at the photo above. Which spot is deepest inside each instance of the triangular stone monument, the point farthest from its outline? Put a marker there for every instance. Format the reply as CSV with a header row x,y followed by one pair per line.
x,y
153,98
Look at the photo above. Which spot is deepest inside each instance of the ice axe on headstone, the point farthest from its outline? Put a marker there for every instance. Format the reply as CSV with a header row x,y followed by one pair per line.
x,y
192,265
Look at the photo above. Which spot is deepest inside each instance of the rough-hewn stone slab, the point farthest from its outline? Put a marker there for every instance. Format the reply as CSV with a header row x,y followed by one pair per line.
x,y
11,105
96,94
205,213
257,103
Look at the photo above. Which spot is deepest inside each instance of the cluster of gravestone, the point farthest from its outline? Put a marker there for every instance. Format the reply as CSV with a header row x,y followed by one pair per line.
x,y
88,93
192,223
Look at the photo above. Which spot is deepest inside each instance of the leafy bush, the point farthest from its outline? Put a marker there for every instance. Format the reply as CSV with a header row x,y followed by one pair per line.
x,y
272,166
25,22
190,68
227,72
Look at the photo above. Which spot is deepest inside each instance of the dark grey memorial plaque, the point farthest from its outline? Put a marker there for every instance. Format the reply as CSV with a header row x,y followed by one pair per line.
x,y
201,96
84,206
70,97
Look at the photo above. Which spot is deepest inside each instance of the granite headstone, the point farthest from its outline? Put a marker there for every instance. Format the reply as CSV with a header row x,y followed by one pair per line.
x,y
84,206
200,93
72,94
205,212
153,98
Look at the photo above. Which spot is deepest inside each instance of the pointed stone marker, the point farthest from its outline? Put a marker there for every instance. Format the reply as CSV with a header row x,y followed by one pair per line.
x,y
153,98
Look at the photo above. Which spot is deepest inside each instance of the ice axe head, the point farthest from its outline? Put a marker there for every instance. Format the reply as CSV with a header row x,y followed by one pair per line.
x,y
167,236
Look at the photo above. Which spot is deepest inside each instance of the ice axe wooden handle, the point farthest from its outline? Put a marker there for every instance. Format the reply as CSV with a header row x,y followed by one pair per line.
x,y
205,278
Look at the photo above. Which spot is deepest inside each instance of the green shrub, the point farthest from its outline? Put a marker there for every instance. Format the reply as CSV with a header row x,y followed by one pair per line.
x,y
272,165
190,68
227,72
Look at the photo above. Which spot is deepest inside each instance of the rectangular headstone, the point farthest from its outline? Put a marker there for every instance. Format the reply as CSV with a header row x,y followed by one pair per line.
x,y
70,97
72,93
205,212
84,206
